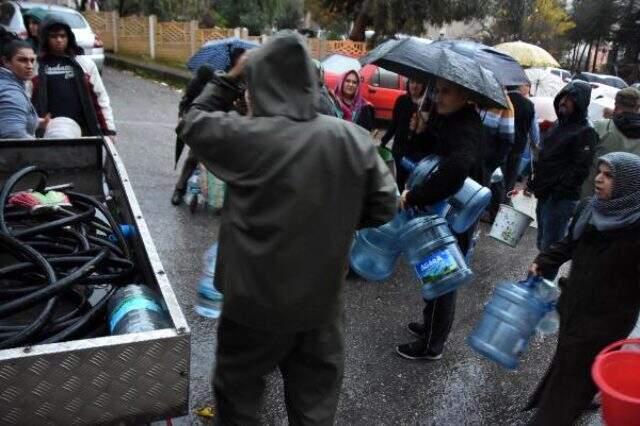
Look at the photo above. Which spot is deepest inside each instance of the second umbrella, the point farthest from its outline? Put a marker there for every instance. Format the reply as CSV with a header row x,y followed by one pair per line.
x,y
421,61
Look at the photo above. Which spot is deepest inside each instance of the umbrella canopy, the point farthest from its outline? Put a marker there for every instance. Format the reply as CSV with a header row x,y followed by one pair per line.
x,y
544,83
217,53
507,70
417,60
529,55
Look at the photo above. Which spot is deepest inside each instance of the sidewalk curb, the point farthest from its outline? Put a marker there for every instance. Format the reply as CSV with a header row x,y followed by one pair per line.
x,y
161,72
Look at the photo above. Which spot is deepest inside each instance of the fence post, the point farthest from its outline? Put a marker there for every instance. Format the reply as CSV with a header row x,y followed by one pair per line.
x,y
245,33
114,30
153,22
193,30
236,32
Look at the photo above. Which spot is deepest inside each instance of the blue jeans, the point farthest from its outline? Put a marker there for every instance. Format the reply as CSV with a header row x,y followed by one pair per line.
x,y
553,220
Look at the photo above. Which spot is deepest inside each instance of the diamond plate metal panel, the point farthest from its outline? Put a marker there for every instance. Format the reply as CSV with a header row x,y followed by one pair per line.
x,y
120,383
128,379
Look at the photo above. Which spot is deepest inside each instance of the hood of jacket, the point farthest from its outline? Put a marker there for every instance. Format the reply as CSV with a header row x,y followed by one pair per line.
x,y
8,79
580,92
281,79
629,124
51,21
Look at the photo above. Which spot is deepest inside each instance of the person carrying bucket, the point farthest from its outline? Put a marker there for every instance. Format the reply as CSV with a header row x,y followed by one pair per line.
x,y
454,132
600,300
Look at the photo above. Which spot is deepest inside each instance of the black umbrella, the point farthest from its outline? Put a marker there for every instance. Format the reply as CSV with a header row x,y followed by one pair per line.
x,y
507,70
418,60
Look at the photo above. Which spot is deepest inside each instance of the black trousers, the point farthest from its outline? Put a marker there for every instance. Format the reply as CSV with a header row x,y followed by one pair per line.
x,y
439,313
189,166
311,364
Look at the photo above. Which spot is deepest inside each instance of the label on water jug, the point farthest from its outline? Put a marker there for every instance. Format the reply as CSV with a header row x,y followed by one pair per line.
x,y
436,266
132,304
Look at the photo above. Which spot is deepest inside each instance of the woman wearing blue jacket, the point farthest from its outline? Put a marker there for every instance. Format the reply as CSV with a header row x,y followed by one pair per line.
x,y
18,117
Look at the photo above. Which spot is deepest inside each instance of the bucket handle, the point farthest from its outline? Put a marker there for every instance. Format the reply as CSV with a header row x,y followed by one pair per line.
x,y
618,345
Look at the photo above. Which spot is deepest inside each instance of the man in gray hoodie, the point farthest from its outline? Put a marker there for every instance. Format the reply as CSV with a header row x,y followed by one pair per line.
x,y
299,184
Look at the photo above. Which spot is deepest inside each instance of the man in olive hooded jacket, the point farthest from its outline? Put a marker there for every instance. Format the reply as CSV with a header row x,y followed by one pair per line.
x,y
299,184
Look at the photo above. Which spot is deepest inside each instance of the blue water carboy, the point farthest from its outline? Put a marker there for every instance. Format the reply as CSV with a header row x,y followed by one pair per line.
x,y
510,319
375,250
433,253
466,205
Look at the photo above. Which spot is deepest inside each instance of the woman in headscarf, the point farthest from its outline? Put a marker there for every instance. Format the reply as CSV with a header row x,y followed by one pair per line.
x,y
404,113
353,106
601,298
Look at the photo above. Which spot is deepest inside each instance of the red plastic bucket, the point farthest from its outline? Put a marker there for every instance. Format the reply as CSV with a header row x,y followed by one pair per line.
x,y
617,374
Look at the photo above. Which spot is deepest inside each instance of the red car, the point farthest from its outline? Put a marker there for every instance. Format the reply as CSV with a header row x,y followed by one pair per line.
x,y
380,87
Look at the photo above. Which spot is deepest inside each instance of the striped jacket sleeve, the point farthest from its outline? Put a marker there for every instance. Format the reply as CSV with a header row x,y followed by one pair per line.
x,y
99,95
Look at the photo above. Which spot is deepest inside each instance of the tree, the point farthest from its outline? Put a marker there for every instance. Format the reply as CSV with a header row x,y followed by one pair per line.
x,y
594,20
388,17
261,15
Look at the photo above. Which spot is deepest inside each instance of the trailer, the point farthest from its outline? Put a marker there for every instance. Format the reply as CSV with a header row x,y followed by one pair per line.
x,y
125,379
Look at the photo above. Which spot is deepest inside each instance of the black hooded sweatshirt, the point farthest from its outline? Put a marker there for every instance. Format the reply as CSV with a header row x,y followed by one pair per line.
x,y
567,150
61,89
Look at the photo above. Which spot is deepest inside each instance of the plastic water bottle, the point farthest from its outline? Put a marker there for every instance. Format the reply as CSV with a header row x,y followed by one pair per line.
x,y
136,308
550,323
210,300
193,187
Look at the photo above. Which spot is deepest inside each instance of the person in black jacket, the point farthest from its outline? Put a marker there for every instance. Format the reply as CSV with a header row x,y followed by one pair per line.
x,y
404,111
204,74
524,111
454,132
68,83
563,163
600,299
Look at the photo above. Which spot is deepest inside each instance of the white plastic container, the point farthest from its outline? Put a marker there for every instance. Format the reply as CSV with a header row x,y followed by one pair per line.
x,y
510,225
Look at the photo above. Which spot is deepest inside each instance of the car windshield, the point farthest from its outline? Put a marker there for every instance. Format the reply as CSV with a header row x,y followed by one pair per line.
x,y
340,64
75,20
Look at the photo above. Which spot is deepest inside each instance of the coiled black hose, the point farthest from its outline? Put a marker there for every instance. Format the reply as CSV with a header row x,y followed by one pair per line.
x,y
61,256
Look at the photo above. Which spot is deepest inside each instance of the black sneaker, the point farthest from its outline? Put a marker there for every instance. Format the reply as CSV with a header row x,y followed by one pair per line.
x,y
416,329
177,197
417,351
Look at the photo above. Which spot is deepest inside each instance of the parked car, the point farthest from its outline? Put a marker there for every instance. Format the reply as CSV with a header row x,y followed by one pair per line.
x,y
11,18
86,38
380,87
609,80
563,74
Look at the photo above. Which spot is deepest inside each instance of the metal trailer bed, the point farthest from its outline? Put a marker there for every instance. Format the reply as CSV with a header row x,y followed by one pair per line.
x,y
126,379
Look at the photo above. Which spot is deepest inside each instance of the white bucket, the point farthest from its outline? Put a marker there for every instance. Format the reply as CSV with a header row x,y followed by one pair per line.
x,y
510,225
525,203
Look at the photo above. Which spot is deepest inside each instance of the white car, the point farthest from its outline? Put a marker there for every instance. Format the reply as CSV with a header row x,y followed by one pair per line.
x,y
85,37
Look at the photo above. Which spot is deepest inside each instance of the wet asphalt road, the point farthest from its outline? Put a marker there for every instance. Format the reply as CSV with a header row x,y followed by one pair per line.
x,y
379,387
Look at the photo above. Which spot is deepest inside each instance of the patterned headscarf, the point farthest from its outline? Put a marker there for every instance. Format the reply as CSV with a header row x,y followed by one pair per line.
x,y
623,209
351,111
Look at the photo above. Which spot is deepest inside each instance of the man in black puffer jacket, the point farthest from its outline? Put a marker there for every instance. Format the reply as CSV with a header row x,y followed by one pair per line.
x,y
563,163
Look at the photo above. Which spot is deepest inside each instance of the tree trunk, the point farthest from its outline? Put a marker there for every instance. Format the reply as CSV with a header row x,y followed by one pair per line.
x,y
360,23
595,56
574,56
588,61
579,67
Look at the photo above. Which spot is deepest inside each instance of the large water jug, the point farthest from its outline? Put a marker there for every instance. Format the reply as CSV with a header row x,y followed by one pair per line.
x,y
375,250
136,308
433,253
466,205
209,303
509,321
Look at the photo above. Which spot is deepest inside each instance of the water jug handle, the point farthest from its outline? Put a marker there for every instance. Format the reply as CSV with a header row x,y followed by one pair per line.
x,y
407,164
531,281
